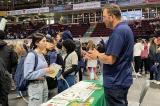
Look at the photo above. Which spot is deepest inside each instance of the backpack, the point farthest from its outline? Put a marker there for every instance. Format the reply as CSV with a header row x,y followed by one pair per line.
x,y
52,57
5,79
20,81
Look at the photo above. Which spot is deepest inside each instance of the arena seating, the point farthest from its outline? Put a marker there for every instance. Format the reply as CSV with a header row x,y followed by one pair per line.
x,y
139,27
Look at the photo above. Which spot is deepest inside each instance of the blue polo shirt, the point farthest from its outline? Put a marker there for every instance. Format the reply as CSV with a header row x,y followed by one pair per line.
x,y
120,44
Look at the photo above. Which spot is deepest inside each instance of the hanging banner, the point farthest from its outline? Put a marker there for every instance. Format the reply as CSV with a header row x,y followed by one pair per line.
x,y
15,12
87,5
28,11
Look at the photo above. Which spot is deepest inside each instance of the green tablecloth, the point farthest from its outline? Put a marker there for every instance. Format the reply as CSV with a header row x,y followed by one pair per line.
x,y
98,95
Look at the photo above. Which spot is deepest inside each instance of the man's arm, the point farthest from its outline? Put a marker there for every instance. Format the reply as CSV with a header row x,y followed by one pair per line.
x,y
106,59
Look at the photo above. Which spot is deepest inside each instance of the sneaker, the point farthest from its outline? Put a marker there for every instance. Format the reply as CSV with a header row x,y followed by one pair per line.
x,y
18,96
157,82
138,74
154,81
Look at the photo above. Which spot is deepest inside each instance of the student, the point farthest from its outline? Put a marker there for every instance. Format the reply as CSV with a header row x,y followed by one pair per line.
x,y
52,56
37,88
70,62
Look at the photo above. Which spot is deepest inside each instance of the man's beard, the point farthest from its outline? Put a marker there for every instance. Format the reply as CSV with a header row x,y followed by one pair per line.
x,y
109,25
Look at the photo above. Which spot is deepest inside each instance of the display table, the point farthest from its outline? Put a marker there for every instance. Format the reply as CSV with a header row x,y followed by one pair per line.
x,y
90,93
98,95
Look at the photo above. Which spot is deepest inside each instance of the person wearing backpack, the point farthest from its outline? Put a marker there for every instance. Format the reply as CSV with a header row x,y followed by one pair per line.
x,y
70,64
52,56
37,87
68,35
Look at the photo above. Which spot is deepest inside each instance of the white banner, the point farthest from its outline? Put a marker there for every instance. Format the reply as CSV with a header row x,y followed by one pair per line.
x,y
87,5
132,15
28,11
44,10
31,11
15,12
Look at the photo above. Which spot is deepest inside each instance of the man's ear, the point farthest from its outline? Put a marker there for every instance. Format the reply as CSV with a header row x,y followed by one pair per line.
x,y
113,17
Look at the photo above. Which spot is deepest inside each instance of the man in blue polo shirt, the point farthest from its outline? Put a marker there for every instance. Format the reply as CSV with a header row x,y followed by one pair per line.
x,y
117,73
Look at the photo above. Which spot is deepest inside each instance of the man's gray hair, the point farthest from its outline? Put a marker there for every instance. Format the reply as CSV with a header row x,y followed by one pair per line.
x,y
113,9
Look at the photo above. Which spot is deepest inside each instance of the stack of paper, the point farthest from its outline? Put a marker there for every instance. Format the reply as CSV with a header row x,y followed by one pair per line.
x,y
80,91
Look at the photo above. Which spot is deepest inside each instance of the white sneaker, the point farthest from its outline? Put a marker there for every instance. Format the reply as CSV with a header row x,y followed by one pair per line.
x,y
154,81
18,96
138,74
157,82
151,81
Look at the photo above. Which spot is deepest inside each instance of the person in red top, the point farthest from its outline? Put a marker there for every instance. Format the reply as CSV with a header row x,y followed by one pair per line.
x,y
144,57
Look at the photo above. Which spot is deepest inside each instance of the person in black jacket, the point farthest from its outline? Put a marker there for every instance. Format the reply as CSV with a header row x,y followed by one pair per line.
x,y
9,58
52,56
7,54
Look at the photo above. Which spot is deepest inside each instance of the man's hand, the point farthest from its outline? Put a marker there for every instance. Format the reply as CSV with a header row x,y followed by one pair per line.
x,y
92,55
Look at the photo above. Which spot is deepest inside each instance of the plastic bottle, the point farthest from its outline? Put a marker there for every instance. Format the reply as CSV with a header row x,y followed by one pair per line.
x,y
92,74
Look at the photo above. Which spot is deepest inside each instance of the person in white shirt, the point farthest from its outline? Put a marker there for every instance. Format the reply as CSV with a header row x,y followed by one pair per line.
x,y
138,48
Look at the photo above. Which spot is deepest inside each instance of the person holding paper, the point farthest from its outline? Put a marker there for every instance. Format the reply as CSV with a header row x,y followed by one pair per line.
x,y
117,70
37,88
53,58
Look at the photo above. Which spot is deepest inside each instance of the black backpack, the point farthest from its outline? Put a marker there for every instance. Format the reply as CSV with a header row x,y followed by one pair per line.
x,y
5,78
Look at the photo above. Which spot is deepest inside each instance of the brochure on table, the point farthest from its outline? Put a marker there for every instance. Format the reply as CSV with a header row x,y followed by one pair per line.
x,y
78,92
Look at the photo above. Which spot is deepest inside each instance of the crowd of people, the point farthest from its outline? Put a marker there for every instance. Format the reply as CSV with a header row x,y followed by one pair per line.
x,y
60,49
75,58
146,57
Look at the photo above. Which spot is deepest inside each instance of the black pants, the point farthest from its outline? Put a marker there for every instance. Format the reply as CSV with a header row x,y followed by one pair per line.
x,y
144,63
137,61
116,97
151,63
4,100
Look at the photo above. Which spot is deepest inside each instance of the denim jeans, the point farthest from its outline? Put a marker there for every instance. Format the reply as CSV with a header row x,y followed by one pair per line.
x,y
63,86
38,93
116,97
157,75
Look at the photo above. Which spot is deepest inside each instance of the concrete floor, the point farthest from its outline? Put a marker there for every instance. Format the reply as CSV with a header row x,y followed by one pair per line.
x,y
152,97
